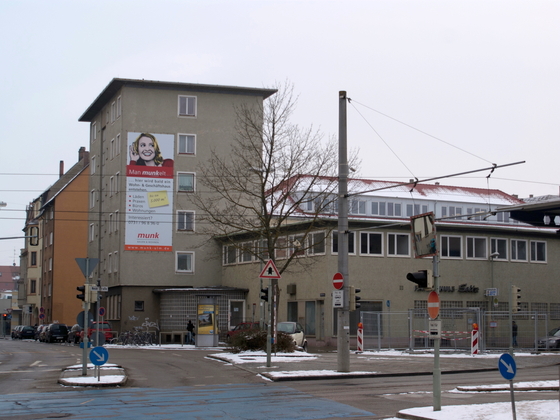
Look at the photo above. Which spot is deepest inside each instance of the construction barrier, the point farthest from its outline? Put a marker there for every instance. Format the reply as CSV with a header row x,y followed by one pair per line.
x,y
474,339
360,336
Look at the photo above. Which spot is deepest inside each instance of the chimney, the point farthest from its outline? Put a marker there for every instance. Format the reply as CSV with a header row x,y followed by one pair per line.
x,y
61,169
81,153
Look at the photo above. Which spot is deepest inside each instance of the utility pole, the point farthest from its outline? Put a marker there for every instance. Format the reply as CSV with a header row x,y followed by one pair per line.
x,y
343,328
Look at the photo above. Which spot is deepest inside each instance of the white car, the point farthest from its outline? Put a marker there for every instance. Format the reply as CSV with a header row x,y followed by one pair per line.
x,y
295,330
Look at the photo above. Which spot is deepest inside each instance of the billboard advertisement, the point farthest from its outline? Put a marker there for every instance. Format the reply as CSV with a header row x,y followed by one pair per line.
x,y
149,192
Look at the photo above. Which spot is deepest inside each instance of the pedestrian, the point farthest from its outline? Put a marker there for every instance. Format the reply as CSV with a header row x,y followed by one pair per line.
x,y
514,333
190,332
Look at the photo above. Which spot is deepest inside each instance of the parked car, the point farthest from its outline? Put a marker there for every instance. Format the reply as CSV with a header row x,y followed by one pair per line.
x,y
39,330
103,327
552,341
26,332
242,327
56,332
75,334
295,330
15,331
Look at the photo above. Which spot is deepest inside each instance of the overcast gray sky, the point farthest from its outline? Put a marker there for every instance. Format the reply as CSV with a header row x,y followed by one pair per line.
x,y
482,76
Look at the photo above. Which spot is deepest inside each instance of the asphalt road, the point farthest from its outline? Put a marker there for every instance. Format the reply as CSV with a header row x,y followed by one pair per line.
x,y
198,383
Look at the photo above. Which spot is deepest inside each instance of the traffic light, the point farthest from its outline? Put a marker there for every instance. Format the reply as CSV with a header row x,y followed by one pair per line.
x,y
515,296
354,304
423,278
264,294
82,294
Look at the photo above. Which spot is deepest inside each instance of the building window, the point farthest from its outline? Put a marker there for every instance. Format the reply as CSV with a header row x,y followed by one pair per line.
x,y
351,242
316,243
371,243
113,111
33,260
119,107
281,248
139,305
185,262
398,244
187,143
297,245
111,186
115,261
187,106
50,265
246,252
116,220
32,287
91,199
476,248
93,164
110,263
34,233
186,181
538,251
51,236
358,207
94,131
518,250
451,247
500,246
91,232
185,221
230,254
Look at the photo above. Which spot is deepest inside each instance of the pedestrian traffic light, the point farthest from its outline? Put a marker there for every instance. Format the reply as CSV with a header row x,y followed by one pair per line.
x,y
82,294
354,304
264,294
515,297
423,278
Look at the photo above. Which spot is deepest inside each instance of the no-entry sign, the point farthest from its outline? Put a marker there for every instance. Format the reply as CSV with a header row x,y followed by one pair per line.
x,y
338,281
433,305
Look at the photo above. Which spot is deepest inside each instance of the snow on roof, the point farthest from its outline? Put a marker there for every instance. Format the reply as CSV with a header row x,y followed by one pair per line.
x,y
435,192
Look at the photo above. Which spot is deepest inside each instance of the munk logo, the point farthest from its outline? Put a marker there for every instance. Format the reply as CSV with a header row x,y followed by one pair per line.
x,y
148,235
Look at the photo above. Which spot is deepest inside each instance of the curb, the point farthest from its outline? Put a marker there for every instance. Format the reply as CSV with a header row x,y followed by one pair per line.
x,y
69,377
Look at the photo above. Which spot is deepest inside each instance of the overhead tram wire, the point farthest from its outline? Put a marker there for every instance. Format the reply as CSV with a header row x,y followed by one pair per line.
x,y
420,131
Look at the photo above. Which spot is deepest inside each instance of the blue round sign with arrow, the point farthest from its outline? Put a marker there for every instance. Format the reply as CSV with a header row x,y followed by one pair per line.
x,y
98,356
507,366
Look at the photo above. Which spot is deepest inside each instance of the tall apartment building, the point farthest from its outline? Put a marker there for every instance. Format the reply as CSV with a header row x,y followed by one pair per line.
x,y
147,139
57,229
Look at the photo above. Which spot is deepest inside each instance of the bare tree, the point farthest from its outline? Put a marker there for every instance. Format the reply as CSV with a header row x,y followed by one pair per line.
x,y
276,179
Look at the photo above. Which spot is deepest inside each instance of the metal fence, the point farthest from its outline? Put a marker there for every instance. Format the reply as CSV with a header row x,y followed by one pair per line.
x,y
410,330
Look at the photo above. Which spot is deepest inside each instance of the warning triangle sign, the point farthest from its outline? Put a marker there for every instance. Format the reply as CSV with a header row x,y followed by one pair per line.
x,y
270,271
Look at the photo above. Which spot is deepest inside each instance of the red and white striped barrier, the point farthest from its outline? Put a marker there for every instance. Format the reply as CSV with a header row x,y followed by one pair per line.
x,y
360,338
474,340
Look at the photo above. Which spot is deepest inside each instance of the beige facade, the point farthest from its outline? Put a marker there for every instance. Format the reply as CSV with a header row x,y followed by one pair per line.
x,y
188,121
479,255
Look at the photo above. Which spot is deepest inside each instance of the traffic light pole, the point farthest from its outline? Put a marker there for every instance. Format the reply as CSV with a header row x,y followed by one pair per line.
x,y
437,368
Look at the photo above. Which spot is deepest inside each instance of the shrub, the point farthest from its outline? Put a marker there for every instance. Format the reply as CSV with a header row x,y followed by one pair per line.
x,y
255,340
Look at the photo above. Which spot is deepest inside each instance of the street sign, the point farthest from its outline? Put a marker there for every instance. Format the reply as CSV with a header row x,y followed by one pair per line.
x,y
98,356
80,319
102,311
338,301
270,271
338,281
433,305
435,329
507,366
87,265
41,316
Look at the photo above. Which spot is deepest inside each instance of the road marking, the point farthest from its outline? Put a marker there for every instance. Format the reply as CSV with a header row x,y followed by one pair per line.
x,y
35,363
85,402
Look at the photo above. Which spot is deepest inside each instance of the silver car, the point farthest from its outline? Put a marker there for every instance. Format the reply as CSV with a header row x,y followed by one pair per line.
x,y
295,330
552,341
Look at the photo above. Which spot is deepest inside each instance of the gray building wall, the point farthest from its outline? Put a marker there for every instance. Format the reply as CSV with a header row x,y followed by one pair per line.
x,y
152,107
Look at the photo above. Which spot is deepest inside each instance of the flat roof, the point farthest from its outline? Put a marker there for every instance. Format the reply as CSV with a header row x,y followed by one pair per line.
x,y
117,84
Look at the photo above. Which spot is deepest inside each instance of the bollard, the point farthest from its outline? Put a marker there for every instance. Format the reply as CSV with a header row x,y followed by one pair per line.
x,y
360,338
474,339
